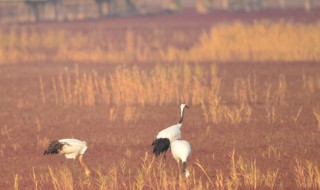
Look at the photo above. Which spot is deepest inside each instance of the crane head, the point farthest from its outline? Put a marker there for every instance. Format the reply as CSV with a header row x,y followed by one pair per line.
x,y
182,106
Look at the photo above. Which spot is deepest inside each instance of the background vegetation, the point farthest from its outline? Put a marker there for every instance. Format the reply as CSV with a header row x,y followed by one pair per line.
x,y
252,86
260,41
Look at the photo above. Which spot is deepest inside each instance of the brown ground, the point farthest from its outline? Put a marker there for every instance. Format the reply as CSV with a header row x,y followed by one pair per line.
x,y
108,141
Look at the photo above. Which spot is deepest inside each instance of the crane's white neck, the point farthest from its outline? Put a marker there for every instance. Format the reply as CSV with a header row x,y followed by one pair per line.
x,y
181,117
182,107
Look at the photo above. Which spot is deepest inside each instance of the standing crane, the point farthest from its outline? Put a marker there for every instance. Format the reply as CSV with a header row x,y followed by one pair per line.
x,y
168,135
71,148
181,150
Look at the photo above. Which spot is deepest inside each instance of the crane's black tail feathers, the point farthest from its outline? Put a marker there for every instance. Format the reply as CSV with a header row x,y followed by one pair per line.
x,y
54,147
160,145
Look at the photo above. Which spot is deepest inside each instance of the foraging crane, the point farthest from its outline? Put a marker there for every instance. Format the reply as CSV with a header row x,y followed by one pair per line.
x,y
71,148
181,150
168,135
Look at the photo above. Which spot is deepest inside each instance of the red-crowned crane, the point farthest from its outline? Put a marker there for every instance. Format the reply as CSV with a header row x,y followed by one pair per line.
x,y
181,150
168,135
71,148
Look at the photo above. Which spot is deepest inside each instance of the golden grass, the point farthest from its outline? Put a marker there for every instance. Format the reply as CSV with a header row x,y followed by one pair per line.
x,y
206,174
16,181
124,90
152,174
217,112
130,115
71,88
296,117
35,180
167,85
316,113
127,88
259,41
130,87
270,114
245,90
272,152
61,178
307,175
246,174
5,131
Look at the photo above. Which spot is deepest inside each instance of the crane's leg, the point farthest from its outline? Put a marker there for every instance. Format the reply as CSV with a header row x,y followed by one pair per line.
x,y
164,158
184,169
85,167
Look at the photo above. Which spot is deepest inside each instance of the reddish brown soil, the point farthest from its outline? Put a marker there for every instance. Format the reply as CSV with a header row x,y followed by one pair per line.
x,y
108,141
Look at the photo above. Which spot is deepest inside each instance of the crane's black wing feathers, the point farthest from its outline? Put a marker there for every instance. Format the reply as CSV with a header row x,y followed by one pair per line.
x,y
160,145
54,147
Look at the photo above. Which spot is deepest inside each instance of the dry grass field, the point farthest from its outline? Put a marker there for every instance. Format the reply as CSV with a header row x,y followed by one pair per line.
x,y
251,80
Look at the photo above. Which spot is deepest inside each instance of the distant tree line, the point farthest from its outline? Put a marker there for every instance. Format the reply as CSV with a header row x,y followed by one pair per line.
x,y
36,10
204,6
104,7
78,9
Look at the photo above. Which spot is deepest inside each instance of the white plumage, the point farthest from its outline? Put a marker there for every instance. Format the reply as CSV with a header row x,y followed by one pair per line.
x,y
70,148
172,133
168,135
181,150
